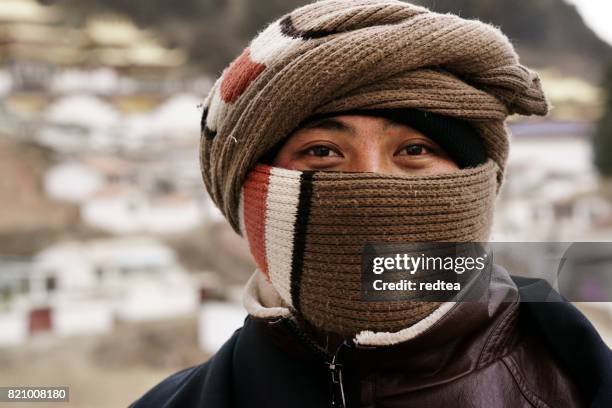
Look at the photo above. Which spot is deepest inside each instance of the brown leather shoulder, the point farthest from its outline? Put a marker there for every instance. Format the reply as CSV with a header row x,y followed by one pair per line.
x,y
539,377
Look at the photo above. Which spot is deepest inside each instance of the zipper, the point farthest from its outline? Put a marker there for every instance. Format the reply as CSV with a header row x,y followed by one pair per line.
x,y
338,398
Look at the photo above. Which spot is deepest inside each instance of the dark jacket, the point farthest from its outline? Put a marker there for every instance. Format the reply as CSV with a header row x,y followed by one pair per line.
x,y
512,354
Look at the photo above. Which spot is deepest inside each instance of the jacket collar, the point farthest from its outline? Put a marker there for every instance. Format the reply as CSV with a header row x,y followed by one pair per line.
x,y
454,340
261,301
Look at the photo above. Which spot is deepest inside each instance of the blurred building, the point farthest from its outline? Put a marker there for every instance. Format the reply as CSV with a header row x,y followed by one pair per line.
x,y
124,197
128,211
552,191
217,321
84,287
116,42
34,41
38,46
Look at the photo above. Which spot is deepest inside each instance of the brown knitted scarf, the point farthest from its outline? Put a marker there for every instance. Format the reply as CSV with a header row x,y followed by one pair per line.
x,y
307,230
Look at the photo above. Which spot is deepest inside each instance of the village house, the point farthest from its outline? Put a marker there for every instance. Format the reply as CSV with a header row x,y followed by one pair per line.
x,y
551,197
33,41
84,287
126,211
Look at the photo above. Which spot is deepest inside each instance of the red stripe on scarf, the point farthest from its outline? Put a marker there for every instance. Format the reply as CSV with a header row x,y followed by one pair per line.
x,y
239,76
255,198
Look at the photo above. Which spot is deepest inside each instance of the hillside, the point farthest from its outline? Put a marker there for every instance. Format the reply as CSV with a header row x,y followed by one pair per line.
x,y
546,32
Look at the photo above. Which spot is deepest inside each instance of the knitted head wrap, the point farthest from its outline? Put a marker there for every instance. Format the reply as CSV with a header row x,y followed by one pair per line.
x,y
306,229
337,55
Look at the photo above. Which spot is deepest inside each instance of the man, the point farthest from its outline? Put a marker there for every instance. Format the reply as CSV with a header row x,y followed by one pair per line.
x,y
350,122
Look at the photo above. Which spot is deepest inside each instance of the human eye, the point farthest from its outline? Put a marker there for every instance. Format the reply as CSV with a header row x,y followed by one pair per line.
x,y
321,151
415,149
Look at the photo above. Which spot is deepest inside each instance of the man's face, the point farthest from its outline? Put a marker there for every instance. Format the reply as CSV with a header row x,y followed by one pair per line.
x,y
356,143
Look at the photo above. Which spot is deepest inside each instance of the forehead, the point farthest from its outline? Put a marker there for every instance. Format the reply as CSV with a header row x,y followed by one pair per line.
x,y
348,123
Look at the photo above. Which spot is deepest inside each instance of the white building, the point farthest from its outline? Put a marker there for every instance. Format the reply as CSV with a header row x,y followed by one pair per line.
x,y
217,320
176,123
79,123
82,110
102,81
551,191
84,287
127,211
72,182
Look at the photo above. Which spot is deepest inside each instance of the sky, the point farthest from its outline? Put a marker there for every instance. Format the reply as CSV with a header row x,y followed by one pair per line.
x,y
597,14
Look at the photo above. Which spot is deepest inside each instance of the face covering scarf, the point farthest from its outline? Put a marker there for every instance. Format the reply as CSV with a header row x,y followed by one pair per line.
x,y
306,231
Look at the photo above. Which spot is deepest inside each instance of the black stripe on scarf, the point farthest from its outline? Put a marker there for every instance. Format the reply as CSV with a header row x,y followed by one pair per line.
x,y
289,30
299,237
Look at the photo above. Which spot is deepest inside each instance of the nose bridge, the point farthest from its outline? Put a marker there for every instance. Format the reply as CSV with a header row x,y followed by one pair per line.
x,y
369,160
369,155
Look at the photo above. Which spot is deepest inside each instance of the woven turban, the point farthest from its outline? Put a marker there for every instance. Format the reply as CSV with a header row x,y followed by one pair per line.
x,y
339,55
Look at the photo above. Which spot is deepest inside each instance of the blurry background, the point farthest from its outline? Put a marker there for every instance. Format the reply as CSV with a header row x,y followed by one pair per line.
x,y
115,268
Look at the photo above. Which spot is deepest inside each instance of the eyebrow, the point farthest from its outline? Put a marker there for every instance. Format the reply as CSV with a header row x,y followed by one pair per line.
x,y
337,125
328,124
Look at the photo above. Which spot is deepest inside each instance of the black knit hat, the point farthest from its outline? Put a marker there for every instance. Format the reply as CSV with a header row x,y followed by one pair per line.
x,y
456,137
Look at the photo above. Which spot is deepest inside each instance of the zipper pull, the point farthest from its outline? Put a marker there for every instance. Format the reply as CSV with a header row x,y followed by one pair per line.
x,y
337,384
335,368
